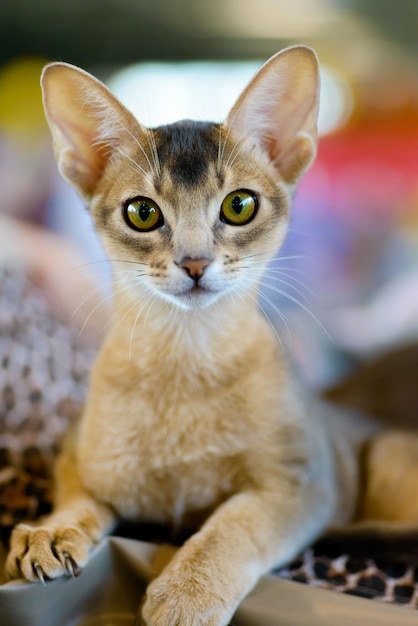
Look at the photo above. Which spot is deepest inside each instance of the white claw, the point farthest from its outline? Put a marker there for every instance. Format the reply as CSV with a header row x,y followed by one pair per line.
x,y
39,573
71,566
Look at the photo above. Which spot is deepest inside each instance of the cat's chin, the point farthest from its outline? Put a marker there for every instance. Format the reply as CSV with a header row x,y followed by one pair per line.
x,y
193,299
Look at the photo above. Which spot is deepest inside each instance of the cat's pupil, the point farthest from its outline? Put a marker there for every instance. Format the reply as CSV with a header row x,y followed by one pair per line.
x,y
144,211
237,205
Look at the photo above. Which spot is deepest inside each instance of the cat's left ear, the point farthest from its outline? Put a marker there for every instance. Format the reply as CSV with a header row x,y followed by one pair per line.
x,y
278,110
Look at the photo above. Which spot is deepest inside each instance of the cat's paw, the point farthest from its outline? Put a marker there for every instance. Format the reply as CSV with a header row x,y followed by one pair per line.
x,y
47,552
180,598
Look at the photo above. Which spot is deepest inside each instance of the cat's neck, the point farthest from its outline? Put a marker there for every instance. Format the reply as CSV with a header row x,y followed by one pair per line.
x,y
222,331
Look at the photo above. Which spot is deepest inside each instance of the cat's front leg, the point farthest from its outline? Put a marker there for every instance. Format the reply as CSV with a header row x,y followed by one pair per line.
x,y
245,537
59,544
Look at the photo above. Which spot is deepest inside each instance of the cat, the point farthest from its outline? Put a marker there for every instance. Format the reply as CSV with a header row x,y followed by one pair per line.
x,y
194,415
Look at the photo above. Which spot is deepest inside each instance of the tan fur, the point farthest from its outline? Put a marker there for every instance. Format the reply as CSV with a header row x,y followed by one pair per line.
x,y
194,415
392,468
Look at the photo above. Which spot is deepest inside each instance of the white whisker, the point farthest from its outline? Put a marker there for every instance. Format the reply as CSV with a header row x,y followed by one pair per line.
x,y
228,130
130,305
107,298
149,299
98,305
270,271
257,301
265,253
286,268
235,148
108,273
307,310
276,289
123,154
88,296
218,165
154,152
138,143
268,281
293,257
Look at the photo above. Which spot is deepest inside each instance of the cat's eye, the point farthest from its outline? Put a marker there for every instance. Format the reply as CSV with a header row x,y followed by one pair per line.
x,y
239,207
143,214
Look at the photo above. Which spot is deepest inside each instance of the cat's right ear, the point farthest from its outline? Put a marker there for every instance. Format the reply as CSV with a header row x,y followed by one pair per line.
x,y
88,124
278,111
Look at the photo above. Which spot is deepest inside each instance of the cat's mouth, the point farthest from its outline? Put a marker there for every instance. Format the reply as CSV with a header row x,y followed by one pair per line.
x,y
198,289
197,297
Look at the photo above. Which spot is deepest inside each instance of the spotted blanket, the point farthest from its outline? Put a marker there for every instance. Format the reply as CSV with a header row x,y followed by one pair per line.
x,y
44,367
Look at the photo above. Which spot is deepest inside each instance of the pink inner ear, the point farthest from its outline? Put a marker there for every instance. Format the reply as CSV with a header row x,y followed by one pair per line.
x,y
278,109
293,163
273,149
82,159
84,118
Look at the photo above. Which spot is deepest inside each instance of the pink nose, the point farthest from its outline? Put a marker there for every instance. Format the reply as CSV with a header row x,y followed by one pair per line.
x,y
194,267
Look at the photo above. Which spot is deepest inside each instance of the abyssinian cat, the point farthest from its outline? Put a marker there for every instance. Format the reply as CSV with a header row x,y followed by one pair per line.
x,y
194,416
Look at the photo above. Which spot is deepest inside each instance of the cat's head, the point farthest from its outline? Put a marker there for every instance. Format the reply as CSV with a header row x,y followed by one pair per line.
x,y
191,211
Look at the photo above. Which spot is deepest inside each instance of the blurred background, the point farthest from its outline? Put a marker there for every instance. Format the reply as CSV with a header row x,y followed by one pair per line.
x,y
346,280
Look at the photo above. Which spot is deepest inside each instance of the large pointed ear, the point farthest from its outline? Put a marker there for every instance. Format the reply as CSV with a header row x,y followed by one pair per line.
x,y
88,124
278,110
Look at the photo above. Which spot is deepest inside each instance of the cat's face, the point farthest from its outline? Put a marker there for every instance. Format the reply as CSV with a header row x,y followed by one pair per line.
x,y
189,212
200,214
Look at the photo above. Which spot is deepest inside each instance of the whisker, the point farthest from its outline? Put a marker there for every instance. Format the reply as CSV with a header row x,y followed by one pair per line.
x,y
90,294
272,271
107,261
288,296
147,313
235,148
286,268
228,129
123,154
130,305
267,285
107,273
107,298
256,300
257,254
218,165
293,257
149,299
138,143
275,278
98,305
273,305
222,148
154,152
173,313
106,270
282,316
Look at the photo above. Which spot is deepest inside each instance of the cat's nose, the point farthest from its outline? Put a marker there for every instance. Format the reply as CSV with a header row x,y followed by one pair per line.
x,y
194,267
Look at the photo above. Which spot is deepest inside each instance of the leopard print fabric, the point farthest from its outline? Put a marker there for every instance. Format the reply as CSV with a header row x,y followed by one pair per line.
x,y
44,368
385,581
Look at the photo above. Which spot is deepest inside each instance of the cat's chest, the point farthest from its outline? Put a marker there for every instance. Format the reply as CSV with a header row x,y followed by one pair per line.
x,y
161,484
173,435
165,460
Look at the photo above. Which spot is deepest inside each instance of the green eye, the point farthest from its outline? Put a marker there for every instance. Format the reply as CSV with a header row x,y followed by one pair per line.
x,y
239,208
143,214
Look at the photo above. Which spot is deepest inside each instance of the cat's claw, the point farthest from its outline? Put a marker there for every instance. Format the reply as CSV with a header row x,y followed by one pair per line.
x,y
71,566
39,573
44,553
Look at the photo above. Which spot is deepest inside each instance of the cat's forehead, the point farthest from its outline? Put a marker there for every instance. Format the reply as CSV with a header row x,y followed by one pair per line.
x,y
187,151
